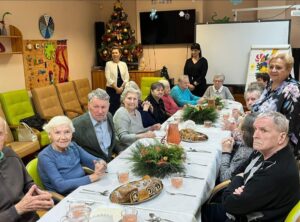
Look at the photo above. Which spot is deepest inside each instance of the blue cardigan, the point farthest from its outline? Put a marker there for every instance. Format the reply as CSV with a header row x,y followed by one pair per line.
x,y
61,171
183,97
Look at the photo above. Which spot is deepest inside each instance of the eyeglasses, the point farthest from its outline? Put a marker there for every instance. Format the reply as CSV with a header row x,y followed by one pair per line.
x,y
218,80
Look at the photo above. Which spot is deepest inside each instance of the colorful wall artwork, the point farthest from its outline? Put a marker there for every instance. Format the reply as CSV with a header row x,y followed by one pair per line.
x,y
45,62
259,60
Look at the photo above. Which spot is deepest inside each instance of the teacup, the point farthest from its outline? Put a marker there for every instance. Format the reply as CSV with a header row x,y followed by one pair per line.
x,y
129,215
123,176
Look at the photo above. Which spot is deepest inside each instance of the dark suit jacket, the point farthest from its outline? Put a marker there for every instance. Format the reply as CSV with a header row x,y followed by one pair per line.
x,y
85,136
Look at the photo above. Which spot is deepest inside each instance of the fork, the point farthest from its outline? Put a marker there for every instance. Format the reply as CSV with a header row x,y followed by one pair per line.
x,y
192,177
103,193
197,151
183,194
200,164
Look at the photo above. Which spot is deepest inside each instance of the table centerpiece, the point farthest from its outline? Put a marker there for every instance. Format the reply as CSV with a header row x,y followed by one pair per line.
x,y
199,113
158,160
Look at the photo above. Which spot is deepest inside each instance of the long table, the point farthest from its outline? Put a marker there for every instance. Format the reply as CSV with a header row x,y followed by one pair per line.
x,y
173,207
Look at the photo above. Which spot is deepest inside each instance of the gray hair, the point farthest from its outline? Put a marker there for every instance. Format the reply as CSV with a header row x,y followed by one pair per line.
x,y
254,87
164,82
280,121
129,90
99,94
219,76
183,77
132,84
58,121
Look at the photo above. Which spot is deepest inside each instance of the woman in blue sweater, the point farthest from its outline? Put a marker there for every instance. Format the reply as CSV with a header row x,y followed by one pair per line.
x,y
60,163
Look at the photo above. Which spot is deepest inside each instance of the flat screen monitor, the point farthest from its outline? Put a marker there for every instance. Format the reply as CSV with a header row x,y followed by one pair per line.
x,y
167,27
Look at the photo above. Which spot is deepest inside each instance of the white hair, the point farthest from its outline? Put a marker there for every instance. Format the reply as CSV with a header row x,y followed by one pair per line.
x,y
58,121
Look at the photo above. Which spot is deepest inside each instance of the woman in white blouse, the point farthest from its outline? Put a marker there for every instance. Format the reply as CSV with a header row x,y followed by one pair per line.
x,y
117,75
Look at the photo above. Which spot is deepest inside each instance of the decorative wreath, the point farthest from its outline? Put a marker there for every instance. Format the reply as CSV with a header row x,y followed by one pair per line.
x,y
199,114
157,160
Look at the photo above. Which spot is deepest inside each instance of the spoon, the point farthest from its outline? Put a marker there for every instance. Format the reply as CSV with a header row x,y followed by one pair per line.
x,y
155,218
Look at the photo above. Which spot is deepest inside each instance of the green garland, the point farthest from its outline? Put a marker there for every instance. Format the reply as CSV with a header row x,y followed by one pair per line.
x,y
199,115
157,160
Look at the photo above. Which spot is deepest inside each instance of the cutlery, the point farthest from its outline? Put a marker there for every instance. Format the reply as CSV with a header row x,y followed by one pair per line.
x,y
198,151
200,164
89,203
103,193
155,218
193,177
183,194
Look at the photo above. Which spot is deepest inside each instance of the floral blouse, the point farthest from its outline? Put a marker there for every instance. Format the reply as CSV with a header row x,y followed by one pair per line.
x,y
286,100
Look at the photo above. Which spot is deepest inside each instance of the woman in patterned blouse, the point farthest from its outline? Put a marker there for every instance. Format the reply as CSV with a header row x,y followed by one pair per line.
x,y
282,94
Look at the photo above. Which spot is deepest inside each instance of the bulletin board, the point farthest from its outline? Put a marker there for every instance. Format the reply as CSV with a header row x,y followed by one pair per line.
x,y
45,62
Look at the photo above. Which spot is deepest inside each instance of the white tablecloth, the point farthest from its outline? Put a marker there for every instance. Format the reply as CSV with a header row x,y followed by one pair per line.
x,y
177,208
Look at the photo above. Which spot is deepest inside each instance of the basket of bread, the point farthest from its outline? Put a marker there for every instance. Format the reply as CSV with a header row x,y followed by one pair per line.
x,y
137,191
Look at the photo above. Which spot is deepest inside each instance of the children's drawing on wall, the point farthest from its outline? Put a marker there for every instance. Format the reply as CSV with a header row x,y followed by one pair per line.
x,y
45,62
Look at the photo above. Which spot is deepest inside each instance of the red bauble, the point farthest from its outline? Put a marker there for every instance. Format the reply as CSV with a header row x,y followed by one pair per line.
x,y
108,39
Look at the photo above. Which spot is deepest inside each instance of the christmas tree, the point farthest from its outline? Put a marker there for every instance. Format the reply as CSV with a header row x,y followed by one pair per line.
x,y
118,32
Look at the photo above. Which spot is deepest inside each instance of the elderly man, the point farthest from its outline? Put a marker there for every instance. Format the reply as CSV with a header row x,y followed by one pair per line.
x,y
20,197
217,89
181,93
269,186
94,130
253,93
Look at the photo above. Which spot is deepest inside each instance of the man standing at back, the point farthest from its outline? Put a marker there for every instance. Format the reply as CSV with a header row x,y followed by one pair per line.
x,y
269,186
94,130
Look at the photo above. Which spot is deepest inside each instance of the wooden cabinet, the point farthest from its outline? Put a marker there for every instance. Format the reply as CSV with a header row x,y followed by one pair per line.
x,y
99,81
13,42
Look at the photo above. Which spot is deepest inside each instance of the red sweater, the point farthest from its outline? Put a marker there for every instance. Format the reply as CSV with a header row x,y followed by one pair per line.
x,y
170,105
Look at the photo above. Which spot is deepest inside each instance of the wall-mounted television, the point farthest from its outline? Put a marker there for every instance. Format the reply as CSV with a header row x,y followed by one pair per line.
x,y
168,27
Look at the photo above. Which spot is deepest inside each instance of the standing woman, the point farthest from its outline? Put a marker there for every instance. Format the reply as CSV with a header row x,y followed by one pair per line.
x,y
196,68
282,94
116,74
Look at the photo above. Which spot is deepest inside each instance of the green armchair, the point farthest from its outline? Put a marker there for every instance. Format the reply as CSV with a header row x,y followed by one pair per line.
x,y
146,84
16,106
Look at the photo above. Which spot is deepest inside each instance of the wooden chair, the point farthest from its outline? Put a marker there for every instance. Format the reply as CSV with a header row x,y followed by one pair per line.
x,y
218,188
22,149
68,99
82,88
46,102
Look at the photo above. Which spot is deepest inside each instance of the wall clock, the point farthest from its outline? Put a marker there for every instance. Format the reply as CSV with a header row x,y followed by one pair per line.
x,y
46,26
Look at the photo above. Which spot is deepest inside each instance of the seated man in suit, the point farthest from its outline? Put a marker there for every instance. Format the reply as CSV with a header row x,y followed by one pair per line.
x,y
94,130
268,188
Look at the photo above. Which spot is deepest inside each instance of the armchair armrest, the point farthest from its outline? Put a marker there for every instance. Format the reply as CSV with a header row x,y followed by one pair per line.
x,y
73,110
217,189
56,196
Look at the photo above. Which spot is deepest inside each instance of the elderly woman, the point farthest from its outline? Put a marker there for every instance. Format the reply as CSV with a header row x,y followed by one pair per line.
x,y
181,93
196,69
170,105
128,120
60,163
156,93
20,197
234,152
145,108
217,89
282,95
117,75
